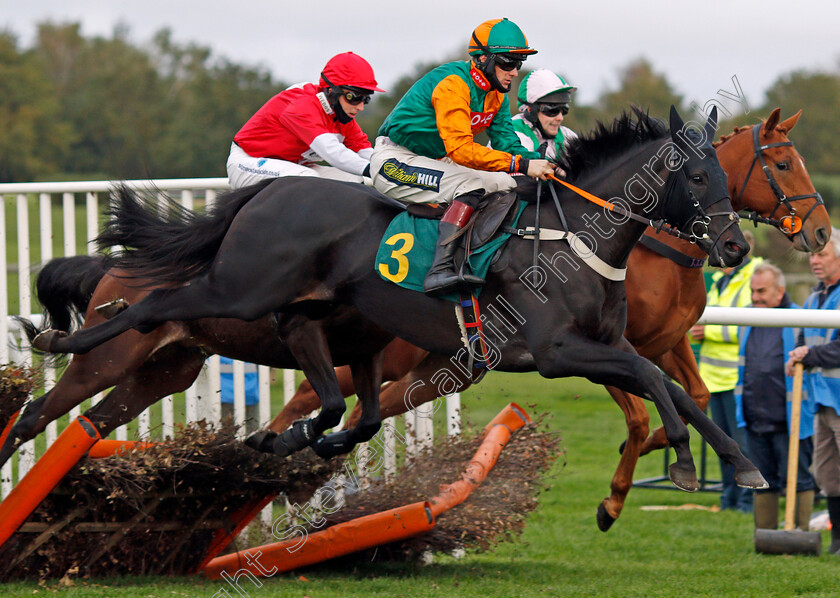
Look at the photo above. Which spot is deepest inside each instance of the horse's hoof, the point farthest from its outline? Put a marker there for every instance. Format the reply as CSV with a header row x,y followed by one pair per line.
x,y
605,520
332,445
46,339
261,441
112,308
621,447
684,479
751,478
297,437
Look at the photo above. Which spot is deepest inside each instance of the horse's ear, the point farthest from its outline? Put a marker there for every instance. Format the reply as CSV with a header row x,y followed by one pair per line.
x,y
710,130
676,123
771,121
786,125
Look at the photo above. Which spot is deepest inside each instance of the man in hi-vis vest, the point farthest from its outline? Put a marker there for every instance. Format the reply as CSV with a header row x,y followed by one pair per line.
x,y
719,366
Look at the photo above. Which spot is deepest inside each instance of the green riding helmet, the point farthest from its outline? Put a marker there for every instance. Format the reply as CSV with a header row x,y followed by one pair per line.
x,y
503,44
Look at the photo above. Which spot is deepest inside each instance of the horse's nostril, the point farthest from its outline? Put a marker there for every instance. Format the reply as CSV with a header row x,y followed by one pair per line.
x,y
821,236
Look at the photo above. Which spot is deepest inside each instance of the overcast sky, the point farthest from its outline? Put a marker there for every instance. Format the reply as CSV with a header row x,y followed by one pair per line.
x,y
699,45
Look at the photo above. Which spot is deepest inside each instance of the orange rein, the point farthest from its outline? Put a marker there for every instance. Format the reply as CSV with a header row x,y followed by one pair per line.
x,y
585,194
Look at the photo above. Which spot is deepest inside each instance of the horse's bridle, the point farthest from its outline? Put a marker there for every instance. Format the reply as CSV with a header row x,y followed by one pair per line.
x,y
790,224
698,225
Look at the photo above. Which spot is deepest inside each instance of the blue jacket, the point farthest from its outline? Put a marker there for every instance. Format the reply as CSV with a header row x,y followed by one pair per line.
x,y
823,382
789,336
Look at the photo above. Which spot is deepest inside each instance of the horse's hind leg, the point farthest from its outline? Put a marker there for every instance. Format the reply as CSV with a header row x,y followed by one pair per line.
x,y
22,429
84,377
306,400
637,419
412,390
169,371
307,342
236,286
367,378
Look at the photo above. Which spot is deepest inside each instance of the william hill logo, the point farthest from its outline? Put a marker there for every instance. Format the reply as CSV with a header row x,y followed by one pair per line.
x,y
411,176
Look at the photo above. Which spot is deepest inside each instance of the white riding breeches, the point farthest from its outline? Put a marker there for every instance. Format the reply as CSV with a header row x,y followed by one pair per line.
x,y
244,170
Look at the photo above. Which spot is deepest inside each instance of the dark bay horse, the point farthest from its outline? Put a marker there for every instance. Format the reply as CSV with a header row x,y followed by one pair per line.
x,y
316,275
664,299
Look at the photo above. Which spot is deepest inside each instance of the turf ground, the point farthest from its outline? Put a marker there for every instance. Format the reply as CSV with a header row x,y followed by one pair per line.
x,y
561,553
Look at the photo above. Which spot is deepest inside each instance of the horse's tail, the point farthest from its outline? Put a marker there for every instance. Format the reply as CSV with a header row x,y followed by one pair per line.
x,y
168,243
64,287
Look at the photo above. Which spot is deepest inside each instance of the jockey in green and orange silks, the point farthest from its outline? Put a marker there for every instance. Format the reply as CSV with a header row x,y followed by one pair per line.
x,y
426,150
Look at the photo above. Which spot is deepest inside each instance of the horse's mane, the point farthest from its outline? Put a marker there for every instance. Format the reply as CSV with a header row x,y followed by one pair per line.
x,y
608,141
734,132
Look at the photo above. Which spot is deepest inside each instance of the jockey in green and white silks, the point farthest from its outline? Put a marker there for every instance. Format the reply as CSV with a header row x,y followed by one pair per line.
x,y
544,99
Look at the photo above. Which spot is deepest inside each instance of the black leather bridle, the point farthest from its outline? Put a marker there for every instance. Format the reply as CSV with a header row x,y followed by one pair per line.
x,y
791,223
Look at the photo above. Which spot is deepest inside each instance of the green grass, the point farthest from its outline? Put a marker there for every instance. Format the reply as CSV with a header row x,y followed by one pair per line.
x,y
561,553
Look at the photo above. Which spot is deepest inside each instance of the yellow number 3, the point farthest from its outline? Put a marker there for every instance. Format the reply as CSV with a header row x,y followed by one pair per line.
x,y
399,255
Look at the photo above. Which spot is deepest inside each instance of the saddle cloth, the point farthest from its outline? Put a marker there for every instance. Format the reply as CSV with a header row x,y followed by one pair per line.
x,y
407,250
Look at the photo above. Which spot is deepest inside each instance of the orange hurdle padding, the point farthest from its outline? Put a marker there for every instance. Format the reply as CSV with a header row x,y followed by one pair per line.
x,y
241,518
8,427
378,528
45,475
339,540
109,448
496,436
512,416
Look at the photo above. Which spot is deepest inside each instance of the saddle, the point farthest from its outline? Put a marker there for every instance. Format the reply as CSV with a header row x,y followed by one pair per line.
x,y
494,211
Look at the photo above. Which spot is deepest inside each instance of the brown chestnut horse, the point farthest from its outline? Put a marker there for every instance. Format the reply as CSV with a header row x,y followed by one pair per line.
x,y
664,298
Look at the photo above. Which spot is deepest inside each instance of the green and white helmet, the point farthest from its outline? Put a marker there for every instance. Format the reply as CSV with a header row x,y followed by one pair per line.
x,y
544,86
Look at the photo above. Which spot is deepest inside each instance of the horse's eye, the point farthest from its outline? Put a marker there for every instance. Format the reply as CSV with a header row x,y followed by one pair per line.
x,y
696,179
783,165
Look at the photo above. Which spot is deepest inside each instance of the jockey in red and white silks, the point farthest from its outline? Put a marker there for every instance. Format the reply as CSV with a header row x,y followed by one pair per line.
x,y
307,124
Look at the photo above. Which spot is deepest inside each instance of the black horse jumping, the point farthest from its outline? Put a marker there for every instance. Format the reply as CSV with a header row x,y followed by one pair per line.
x,y
303,249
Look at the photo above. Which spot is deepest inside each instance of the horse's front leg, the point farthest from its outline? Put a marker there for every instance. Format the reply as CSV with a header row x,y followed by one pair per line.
x,y
620,366
746,474
637,419
680,364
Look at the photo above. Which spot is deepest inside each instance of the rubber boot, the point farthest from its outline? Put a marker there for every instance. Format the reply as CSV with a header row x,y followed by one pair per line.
x,y
834,517
766,510
804,507
442,277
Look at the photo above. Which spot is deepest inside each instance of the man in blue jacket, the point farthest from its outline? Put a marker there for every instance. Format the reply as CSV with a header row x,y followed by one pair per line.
x,y
819,352
762,405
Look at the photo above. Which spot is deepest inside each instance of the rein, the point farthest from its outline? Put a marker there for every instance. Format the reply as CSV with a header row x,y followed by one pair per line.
x,y
790,224
658,225
536,233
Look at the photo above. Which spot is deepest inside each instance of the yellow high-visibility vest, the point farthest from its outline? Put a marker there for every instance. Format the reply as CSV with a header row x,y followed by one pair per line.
x,y
719,351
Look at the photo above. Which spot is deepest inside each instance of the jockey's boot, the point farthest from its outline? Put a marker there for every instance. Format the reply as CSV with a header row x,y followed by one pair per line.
x,y
442,277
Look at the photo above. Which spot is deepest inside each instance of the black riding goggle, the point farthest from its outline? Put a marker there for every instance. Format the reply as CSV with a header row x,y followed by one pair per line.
x,y
354,98
508,62
552,110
